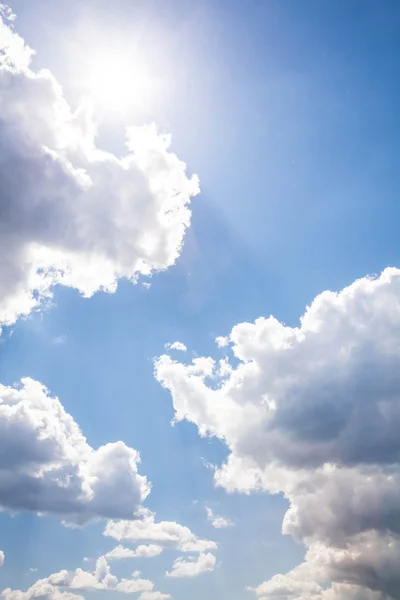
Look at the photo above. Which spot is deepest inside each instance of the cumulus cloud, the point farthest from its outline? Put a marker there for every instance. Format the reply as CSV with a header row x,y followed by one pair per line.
x,y
70,212
313,412
179,346
193,566
154,596
131,586
349,592
216,520
142,551
165,533
40,590
370,559
100,579
283,586
120,552
47,466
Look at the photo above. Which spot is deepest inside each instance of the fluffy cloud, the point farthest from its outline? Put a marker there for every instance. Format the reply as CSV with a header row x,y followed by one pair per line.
x,y
193,566
313,412
41,590
369,559
283,586
154,596
141,551
100,579
216,520
72,213
349,592
166,533
179,346
47,466
1,557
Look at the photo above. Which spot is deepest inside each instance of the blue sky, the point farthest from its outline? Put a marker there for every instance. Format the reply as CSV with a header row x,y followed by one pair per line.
x,y
288,113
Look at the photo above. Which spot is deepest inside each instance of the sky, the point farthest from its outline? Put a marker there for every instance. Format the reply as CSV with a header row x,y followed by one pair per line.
x,y
199,300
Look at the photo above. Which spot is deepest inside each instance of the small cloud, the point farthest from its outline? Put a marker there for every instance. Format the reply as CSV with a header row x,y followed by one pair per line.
x,y
207,464
217,521
146,285
7,13
32,570
176,346
142,551
222,341
60,339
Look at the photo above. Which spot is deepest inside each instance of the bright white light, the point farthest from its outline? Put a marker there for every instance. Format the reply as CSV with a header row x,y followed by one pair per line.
x,y
118,83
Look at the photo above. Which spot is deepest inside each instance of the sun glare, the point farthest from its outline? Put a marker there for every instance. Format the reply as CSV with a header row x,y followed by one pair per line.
x,y
119,83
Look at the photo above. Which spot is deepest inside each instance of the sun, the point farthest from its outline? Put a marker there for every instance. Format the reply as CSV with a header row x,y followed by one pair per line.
x,y
118,82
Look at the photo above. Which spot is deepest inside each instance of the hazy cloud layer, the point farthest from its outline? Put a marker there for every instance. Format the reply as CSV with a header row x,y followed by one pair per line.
x,y
71,213
314,412
47,466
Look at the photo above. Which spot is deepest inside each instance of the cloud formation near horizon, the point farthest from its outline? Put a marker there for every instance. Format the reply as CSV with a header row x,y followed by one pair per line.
x,y
58,586
313,412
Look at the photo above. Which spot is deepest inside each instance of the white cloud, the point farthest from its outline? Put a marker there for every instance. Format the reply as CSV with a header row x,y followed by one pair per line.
x,y
1,558
7,13
142,551
120,552
40,590
166,533
179,346
130,586
349,592
154,596
100,579
216,520
193,566
47,466
313,412
371,556
73,214
284,586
